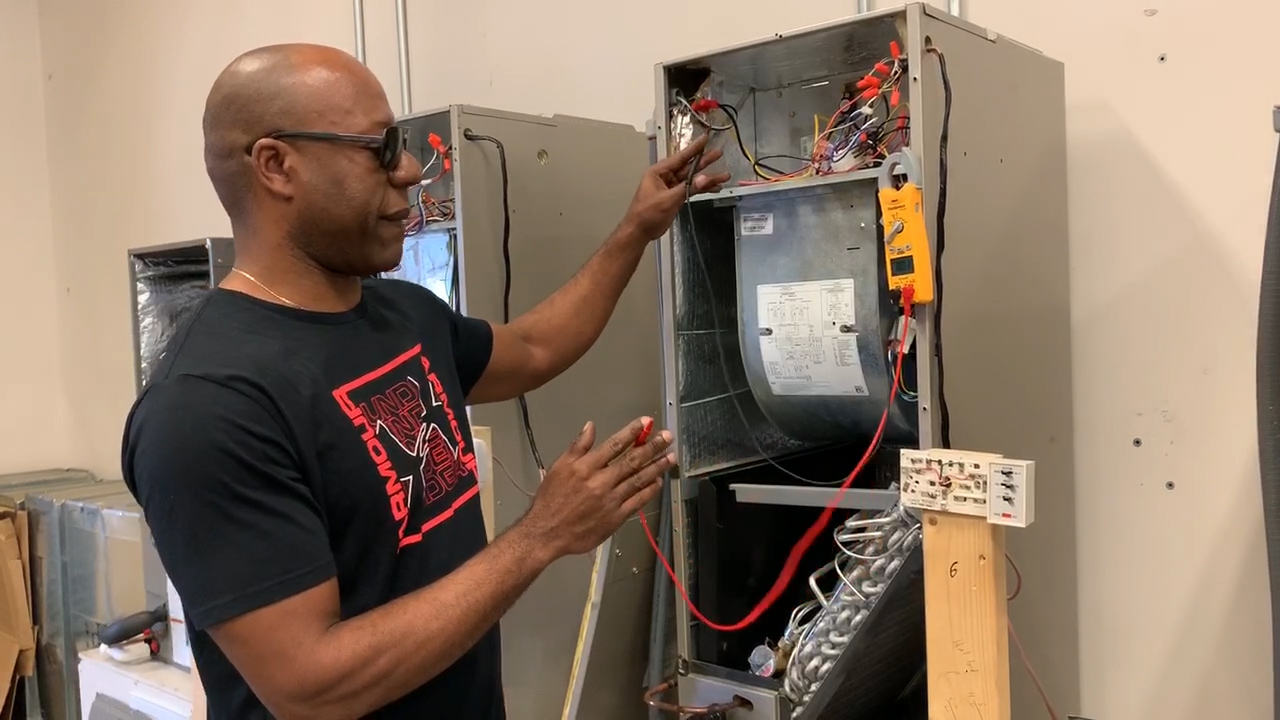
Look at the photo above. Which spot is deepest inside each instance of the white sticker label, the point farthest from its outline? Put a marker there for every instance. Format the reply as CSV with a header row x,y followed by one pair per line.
x,y
756,224
807,338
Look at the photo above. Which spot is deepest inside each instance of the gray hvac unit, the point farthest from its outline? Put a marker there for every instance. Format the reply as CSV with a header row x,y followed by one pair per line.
x,y
782,299
53,586
531,198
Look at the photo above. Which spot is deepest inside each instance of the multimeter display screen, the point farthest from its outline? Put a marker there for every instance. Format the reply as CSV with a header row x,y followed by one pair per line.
x,y
904,265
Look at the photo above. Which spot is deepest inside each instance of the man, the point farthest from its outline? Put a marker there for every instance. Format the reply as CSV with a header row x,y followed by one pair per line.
x,y
328,570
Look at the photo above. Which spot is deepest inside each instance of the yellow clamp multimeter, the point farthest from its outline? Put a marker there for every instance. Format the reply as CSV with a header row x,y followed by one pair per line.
x,y
906,235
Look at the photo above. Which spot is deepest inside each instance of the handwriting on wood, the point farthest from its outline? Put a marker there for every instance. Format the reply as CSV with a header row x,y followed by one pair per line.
x,y
966,615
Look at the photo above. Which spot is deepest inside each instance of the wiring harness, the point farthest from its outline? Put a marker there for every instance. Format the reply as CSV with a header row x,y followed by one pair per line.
x,y
871,122
426,209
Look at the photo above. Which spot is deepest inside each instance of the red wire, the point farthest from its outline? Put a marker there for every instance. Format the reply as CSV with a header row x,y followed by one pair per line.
x,y
792,564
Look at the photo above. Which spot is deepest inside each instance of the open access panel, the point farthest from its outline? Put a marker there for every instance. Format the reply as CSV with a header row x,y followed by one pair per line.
x,y
886,270
528,199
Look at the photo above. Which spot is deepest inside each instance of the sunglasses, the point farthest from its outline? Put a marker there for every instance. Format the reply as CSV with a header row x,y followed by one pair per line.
x,y
387,147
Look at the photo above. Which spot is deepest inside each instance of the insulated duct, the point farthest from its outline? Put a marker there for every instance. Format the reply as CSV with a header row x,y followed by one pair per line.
x,y
1268,369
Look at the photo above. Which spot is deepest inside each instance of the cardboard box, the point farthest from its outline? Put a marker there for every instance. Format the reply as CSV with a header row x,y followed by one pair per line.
x,y
17,632
26,658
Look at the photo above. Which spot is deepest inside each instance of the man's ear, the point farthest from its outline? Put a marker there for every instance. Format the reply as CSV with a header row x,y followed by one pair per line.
x,y
274,166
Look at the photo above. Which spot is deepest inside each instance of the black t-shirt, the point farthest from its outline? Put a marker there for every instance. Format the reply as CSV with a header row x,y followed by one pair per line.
x,y
276,448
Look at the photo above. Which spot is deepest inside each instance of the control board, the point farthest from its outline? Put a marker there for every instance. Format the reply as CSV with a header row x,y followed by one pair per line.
x,y
969,483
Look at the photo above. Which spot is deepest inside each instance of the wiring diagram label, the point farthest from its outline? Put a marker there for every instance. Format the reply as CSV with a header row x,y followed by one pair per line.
x,y
755,224
808,340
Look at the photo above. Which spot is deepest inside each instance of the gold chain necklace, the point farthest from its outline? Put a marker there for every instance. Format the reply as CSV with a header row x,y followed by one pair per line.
x,y
273,293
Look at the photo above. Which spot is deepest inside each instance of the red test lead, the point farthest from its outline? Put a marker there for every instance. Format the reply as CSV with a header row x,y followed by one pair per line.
x,y
644,432
704,105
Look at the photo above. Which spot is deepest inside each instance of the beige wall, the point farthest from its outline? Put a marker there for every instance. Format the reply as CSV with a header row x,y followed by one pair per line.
x,y
40,429
1169,172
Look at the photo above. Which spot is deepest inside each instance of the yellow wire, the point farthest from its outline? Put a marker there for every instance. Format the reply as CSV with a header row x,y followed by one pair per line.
x,y
750,158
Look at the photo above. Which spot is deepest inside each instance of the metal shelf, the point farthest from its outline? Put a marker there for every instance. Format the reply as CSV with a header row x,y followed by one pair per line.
x,y
801,496
798,184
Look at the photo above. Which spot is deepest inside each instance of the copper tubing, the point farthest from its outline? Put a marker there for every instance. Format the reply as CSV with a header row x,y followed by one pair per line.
x,y
653,700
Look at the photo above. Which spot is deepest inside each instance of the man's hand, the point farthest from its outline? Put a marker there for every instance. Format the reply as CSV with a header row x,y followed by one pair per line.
x,y
584,498
664,186
305,661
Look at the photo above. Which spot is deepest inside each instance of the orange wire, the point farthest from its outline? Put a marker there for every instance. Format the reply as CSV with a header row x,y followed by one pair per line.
x,y
819,144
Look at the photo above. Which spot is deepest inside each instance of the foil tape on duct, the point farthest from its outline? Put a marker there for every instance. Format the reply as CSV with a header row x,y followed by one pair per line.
x,y
816,316
168,290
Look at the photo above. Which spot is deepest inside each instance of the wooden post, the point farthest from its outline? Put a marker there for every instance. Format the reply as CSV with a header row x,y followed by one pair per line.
x,y
966,618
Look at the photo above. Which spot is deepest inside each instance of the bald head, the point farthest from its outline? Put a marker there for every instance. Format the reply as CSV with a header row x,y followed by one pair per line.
x,y
273,89
296,144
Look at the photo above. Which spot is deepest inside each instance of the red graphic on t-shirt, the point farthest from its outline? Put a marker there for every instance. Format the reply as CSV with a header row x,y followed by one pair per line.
x,y
427,473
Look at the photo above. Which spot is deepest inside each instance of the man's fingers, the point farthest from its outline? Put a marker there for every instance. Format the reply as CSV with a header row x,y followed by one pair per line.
x,y
637,459
616,444
701,184
583,443
708,158
710,183
641,489
672,163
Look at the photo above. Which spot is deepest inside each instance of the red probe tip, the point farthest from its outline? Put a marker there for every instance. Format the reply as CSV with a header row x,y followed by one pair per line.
x,y
894,49
644,432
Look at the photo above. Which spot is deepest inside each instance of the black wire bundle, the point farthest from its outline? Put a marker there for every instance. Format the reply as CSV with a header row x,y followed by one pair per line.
x,y
506,270
758,164
945,416
871,137
455,274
